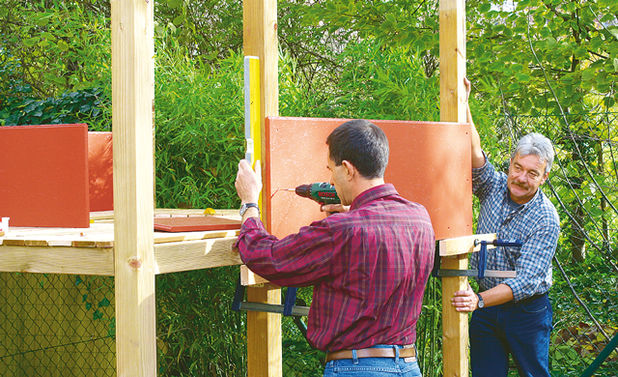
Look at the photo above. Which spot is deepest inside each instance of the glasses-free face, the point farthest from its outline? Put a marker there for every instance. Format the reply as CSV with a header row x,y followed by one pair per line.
x,y
526,174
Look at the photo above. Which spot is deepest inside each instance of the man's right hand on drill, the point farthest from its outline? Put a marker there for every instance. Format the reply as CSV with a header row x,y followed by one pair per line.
x,y
332,208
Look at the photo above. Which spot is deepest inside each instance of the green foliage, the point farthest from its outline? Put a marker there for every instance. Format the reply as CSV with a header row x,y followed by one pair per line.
x,y
88,106
511,52
54,46
199,131
376,84
197,332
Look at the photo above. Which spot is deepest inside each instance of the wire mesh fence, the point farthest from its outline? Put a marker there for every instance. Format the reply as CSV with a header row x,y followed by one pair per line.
x,y
56,325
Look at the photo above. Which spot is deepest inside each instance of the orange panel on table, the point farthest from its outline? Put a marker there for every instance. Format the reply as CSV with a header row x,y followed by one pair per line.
x,y
101,171
44,175
429,163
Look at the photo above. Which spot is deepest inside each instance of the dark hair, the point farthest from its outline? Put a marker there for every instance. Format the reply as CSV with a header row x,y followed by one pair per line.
x,y
363,144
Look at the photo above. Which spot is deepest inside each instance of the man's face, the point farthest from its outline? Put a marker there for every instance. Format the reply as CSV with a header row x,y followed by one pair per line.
x,y
338,178
526,174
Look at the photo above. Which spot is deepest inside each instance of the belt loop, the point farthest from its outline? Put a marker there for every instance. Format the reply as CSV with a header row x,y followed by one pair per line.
x,y
354,357
396,347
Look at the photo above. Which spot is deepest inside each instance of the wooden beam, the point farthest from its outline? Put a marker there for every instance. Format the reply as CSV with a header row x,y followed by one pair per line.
x,y
464,245
195,255
132,119
452,109
260,39
57,260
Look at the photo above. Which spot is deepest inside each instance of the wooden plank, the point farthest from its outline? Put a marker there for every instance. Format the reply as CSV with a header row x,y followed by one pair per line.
x,y
57,260
260,39
464,245
132,126
194,255
452,109
264,335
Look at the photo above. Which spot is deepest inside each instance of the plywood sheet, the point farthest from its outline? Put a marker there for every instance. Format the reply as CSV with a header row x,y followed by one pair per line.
x,y
429,163
194,223
44,175
101,171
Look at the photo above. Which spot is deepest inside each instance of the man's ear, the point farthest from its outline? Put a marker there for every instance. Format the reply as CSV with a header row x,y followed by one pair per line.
x,y
349,169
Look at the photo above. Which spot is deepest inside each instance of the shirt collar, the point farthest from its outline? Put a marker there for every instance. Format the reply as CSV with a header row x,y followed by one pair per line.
x,y
537,194
372,194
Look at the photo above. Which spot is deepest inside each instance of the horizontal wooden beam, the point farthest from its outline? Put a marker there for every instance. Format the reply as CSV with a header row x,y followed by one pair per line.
x,y
57,260
195,255
169,257
464,245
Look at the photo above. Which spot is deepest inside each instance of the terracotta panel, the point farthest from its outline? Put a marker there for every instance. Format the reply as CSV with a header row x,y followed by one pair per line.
x,y
44,175
196,223
101,171
429,163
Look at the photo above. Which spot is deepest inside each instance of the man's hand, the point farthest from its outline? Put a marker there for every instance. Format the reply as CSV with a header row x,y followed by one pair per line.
x,y
248,182
468,88
465,301
332,208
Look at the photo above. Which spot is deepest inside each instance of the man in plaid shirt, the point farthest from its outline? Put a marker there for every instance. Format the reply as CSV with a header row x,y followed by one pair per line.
x,y
369,265
513,315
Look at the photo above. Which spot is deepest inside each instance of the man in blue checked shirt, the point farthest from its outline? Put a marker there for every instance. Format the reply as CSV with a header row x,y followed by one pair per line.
x,y
513,315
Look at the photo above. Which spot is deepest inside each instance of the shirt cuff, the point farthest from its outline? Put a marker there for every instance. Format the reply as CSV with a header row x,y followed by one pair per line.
x,y
252,223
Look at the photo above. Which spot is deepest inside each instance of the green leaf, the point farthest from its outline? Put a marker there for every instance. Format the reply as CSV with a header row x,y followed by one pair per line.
x,y
103,303
485,7
62,46
31,41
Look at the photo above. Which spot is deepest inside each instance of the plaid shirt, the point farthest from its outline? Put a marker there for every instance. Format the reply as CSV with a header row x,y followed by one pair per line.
x,y
369,267
534,223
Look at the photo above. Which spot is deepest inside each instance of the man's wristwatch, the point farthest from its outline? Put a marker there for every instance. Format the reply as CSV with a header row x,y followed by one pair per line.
x,y
481,303
246,206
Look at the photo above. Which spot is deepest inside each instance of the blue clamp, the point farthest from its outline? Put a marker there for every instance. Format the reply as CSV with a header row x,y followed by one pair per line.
x,y
482,263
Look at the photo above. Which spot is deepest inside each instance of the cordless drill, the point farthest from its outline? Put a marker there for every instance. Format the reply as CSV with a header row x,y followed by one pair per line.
x,y
322,192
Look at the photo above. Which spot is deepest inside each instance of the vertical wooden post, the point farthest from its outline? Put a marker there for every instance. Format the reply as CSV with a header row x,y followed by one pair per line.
x,y
452,109
260,39
132,117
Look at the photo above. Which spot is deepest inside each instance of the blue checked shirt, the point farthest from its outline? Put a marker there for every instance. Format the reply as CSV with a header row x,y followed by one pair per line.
x,y
535,224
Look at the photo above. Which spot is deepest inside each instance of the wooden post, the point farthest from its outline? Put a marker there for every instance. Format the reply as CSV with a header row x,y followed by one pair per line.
x,y
260,39
452,109
132,117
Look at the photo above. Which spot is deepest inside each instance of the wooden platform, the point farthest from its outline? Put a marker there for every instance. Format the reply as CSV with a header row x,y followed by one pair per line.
x,y
90,250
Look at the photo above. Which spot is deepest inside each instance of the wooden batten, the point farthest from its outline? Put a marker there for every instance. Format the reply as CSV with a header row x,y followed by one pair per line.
x,y
452,109
260,39
132,119
464,245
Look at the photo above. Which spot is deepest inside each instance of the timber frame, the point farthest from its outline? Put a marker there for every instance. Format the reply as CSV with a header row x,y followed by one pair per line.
x,y
137,255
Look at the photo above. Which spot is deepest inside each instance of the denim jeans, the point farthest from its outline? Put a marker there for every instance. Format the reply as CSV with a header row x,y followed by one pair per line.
x,y
373,367
519,328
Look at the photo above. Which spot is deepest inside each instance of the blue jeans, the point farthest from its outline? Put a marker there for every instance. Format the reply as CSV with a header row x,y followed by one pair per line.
x,y
373,367
519,328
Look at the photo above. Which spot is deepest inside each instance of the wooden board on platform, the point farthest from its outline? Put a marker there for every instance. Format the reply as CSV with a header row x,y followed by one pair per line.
x,y
429,163
194,223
